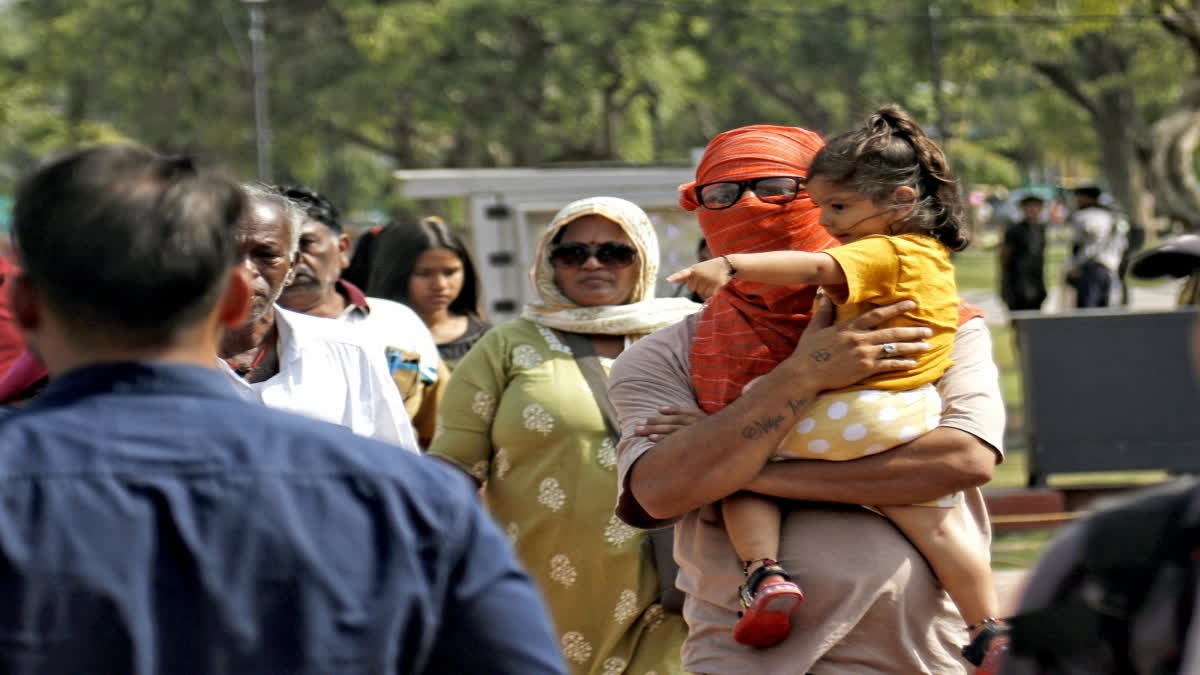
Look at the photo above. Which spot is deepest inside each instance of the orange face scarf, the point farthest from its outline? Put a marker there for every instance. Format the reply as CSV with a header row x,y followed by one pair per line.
x,y
747,328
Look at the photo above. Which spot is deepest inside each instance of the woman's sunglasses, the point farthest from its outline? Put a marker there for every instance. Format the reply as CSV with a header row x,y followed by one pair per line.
x,y
608,254
771,189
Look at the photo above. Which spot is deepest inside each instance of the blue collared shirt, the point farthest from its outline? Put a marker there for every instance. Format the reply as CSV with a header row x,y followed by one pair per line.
x,y
152,522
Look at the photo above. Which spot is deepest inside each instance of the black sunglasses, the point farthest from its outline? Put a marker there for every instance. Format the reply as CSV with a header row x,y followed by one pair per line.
x,y
608,254
771,189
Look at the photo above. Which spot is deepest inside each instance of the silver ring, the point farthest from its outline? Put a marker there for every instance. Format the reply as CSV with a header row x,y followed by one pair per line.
x,y
889,349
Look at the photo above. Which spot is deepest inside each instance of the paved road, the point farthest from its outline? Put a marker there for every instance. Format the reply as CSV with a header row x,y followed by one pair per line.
x,y
1009,584
1141,298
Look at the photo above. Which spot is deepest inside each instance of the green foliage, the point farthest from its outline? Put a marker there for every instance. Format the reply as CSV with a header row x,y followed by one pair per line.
x,y
360,87
981,164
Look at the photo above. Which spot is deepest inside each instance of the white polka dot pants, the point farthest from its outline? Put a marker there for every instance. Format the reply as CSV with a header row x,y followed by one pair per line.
x,y
852,424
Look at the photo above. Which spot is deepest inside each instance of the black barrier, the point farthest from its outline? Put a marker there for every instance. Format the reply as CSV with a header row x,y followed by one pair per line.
x,y
1108,391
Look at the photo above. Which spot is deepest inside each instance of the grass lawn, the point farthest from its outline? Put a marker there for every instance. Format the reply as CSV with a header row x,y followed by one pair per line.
x,y
1019,550
976,267
976,270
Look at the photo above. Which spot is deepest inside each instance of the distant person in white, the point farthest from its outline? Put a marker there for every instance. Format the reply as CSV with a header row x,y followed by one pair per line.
x,y
404,342
1098,240
298,363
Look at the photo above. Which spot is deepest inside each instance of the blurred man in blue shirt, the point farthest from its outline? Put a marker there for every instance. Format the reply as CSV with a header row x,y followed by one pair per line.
x,y
153,522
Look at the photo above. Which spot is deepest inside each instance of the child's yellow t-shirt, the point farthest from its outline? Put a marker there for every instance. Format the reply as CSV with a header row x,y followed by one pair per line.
x,y
884,269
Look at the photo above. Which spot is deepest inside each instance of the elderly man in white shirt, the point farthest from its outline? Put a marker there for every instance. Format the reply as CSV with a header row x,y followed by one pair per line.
x,y
299,363
403,340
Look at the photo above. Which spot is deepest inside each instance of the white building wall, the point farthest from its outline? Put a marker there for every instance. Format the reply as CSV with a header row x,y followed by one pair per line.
x,y
503,242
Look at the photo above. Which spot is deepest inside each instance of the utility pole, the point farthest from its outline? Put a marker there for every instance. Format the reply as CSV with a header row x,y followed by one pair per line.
x,y
258,74
935,68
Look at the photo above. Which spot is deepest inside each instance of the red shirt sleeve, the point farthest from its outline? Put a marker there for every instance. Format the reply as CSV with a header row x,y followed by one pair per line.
x,y
11,344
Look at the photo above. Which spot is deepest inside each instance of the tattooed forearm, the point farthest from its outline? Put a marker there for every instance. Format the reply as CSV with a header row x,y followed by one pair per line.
x,y
767,424
797,404
761,427
821,355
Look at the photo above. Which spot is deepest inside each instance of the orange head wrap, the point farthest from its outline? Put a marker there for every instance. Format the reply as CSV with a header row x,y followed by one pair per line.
x,y
747,328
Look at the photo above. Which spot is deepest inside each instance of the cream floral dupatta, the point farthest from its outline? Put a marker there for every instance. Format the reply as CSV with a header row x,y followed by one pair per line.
x,y
642,315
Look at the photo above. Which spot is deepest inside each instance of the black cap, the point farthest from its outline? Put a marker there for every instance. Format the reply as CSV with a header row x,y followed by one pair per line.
x,y
1178,258
1031,199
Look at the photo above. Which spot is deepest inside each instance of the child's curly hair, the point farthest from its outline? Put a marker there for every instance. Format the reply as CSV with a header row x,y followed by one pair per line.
x,y
890,151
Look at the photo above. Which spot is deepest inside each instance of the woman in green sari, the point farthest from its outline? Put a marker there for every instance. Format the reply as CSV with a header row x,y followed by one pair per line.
x,y
521,420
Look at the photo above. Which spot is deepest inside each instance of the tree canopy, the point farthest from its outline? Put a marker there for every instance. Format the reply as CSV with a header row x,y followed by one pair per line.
x,y
359,87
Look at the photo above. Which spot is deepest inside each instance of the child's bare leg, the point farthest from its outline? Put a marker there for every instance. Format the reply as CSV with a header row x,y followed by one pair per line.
x,y
753,524
960,563
768,597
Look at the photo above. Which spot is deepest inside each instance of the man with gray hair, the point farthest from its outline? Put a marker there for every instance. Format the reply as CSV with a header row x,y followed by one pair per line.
x,y
297,362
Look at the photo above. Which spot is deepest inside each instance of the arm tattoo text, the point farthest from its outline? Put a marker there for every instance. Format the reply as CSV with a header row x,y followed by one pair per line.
x,y
797,405
762,427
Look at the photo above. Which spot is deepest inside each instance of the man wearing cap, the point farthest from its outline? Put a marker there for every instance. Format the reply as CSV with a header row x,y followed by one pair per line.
x,y
1023,258
1098,240
403,340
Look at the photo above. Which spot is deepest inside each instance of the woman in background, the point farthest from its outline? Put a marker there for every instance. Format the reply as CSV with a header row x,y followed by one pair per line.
x,y
520,418
427,267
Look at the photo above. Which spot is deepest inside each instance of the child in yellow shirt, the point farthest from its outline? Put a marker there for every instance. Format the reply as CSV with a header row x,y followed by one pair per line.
x,y
886,193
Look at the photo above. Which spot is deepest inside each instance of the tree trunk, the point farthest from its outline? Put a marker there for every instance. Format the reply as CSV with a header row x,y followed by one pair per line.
x,y
1174,140
610,126
1115,116
657,137
1123,167
78,94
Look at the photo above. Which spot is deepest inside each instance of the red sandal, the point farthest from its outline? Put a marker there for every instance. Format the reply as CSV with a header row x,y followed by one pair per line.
x,y
766,611
989,647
